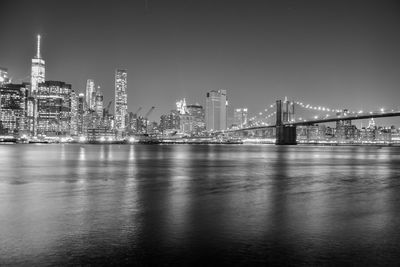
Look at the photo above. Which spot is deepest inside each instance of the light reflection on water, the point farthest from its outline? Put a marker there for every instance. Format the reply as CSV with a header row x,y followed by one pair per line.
x,y
183,204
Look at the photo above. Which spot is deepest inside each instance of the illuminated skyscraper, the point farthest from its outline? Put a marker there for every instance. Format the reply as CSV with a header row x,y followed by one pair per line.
x,y
38,69
81,114
121,99
216,110
54,100
240,117
4,76
74,114
12,108
99,103
90,94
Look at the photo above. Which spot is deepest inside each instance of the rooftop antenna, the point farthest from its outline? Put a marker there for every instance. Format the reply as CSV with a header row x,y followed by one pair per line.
x,y
38,46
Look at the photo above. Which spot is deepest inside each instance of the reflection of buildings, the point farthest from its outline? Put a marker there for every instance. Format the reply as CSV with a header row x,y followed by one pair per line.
x,y
216,103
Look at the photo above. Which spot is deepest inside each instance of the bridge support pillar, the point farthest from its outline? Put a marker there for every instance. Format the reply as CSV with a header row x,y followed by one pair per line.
x,y
286,135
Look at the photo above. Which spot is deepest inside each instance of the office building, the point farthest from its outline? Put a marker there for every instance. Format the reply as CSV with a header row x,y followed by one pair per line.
x,y
81,114
98,107
38,69
12,108
74,114
54,100
4,76
216,103
197,123
240,117
90,94
121,100
170,122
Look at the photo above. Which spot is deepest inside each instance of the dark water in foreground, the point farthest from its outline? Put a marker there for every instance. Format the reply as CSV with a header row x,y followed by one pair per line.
x,y
199,205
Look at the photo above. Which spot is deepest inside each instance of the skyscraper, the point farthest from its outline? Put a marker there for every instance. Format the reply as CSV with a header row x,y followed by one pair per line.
x,y
90,93
54,108
12,108
4,76
81,114
197,112
38,69
74,114
99,103
121,103
216,110
240,117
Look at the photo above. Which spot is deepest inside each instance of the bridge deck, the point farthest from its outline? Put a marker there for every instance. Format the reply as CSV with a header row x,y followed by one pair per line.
x,y
305,123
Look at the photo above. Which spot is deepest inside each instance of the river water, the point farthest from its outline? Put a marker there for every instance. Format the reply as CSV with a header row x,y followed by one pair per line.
x,y
174,205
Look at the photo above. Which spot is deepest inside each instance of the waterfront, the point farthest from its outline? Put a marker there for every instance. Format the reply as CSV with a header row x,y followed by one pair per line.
x,y
199,204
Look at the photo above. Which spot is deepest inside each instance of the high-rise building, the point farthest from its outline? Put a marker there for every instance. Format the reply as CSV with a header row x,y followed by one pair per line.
x,y
54,108
90,93
121,99
99,103
4,76
38,68
81,114
131,123
12,108
240,117
196,123
170,121
216,103
74,113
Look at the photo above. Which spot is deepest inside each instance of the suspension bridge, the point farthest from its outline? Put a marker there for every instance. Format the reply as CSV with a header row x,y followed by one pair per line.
x,y
286,123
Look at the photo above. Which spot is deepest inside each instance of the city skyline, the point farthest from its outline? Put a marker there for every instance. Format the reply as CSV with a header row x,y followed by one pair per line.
x,y
348,59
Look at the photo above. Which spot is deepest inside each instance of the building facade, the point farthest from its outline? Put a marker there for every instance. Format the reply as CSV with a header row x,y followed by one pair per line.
x,y
81,129
121,100
240,117
98,108
12,109
90,94
216,103
54,101
4,76
197,114
38,69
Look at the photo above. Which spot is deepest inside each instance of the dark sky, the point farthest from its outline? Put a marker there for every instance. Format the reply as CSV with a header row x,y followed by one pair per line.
x,y
334,53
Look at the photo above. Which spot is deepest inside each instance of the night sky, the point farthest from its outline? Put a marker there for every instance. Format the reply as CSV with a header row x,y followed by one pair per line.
x,y
334,53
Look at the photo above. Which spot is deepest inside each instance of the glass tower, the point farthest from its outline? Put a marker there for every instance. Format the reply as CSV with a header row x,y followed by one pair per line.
x,y
38,69
216,110
121,99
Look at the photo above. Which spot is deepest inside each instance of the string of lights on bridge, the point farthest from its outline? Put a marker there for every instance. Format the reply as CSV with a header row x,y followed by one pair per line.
x,y
270,112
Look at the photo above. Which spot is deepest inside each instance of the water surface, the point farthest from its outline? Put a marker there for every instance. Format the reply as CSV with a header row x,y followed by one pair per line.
x,y
199,205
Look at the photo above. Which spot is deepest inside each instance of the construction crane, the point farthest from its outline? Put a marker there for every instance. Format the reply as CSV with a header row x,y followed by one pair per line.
x,y
149,112
137,111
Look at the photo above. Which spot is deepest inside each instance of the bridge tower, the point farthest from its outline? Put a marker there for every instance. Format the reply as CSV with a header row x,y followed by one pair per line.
x,y
285,133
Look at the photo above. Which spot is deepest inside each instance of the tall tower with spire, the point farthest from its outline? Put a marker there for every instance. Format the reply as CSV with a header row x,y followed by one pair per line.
x,y
38,69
